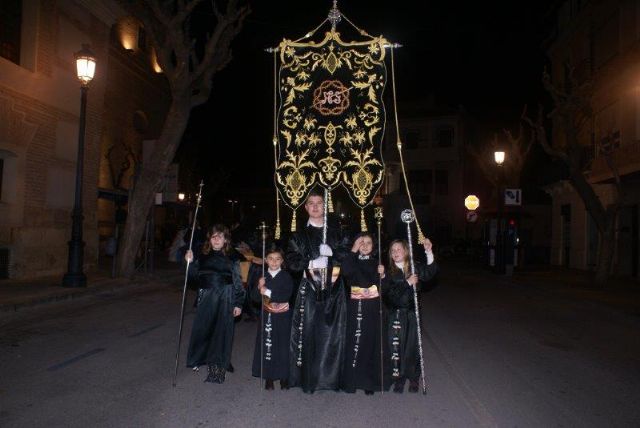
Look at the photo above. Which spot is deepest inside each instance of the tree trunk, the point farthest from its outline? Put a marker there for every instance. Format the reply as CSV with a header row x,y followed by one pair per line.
x,y
149,182
607,249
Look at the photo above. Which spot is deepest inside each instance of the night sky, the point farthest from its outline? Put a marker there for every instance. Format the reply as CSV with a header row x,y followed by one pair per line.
x,y
485,56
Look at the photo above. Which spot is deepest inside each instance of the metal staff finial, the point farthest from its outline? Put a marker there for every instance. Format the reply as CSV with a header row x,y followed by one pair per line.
x,y
334,15
408,217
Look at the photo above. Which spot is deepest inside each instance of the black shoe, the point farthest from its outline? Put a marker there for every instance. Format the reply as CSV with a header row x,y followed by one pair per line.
x,y
268,385
413,386
398,386
284,384
230,369
368,392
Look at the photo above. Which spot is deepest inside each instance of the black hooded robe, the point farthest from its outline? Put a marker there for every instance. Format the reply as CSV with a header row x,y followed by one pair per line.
x,y
319,318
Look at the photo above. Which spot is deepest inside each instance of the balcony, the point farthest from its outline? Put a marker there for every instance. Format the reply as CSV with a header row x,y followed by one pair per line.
x,y
626,158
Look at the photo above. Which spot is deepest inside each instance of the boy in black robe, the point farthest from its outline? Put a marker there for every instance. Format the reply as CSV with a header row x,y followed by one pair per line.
x,y
274,329
319,315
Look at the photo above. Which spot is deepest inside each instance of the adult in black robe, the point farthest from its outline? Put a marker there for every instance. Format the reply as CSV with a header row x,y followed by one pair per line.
x,y
220,298
360,273
402,326
272,340
319,314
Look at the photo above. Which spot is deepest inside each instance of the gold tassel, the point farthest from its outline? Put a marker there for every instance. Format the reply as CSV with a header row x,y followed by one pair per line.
x,y
293,221
277,231
363,223
330,202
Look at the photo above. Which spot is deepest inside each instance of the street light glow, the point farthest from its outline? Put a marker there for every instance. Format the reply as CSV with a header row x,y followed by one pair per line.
x,y
499,157
85,64
181,196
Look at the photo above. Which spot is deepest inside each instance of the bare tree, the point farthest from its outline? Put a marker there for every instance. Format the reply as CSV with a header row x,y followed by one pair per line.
x,y
517,149
572,112
189,75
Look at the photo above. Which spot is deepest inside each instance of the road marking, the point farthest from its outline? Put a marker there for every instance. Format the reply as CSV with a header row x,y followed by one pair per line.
x,y
75,359
146,330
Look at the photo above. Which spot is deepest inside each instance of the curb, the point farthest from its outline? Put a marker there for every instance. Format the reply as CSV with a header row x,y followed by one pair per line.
x,y
100,286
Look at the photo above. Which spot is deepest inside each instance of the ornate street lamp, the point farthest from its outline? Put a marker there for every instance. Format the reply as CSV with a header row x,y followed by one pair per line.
x,y
499,157
75,277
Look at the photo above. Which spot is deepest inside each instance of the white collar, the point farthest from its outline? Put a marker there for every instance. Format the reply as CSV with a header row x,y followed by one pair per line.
x,y
310,223
400,265
273,273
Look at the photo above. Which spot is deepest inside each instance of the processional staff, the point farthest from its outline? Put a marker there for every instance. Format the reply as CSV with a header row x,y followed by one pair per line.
x,y
408,217
186,276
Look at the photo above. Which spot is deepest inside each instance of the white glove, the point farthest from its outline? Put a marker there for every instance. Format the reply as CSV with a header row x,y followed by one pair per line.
x,y
325,250
430,257
319,263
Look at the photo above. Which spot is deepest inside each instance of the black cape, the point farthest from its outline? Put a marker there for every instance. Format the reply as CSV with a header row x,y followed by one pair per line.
x,y
274,331
402,339
220,290
362,351
319,319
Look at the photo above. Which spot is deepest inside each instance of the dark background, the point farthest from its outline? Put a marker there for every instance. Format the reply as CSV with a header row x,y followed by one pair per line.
x,y
487,57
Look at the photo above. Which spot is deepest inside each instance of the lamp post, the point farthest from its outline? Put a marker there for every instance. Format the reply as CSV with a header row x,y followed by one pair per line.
x,y
75,277
499,157
233,204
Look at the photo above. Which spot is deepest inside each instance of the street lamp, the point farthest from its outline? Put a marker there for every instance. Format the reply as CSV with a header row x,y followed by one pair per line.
x,y
75,277
181,196
233,203
499,157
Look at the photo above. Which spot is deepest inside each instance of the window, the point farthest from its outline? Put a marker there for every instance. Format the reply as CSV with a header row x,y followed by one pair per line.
x,y
411,139
606,40
10,27
444,137
1,175
442,182
142,39
421,184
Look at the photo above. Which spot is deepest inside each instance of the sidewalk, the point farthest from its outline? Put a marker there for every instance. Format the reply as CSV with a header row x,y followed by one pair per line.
x,y
619,293
17,294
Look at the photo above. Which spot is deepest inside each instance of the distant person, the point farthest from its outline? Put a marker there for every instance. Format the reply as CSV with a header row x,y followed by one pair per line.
x,y
397,289
272,339
220,298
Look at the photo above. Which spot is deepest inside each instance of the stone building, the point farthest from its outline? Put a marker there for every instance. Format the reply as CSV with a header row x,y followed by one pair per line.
x,y
598,41
39,117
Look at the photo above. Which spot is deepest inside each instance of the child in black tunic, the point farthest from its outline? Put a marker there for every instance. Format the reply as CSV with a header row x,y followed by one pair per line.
x,y
361,274
398,291
274,328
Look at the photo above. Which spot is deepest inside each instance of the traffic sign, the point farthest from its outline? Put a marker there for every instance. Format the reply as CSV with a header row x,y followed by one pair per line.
x,y
513,197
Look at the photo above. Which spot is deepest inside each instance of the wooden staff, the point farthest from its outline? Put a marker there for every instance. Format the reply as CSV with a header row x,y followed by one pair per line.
x,y
186,276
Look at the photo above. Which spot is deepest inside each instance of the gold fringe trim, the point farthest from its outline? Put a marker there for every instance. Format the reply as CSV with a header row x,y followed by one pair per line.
x,y
293,221
363,223
330,201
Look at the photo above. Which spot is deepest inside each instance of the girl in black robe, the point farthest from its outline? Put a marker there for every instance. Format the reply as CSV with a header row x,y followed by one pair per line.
x,y
220,297
397,286
361,274
274,329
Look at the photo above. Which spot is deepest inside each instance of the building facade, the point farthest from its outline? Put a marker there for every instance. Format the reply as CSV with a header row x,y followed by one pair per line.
x,y
39,118
433,147
599,41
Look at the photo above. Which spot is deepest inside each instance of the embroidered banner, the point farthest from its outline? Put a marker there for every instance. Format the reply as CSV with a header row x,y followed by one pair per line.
x,y
331,118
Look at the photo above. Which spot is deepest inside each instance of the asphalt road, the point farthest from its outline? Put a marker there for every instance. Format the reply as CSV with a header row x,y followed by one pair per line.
x,y
497,354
